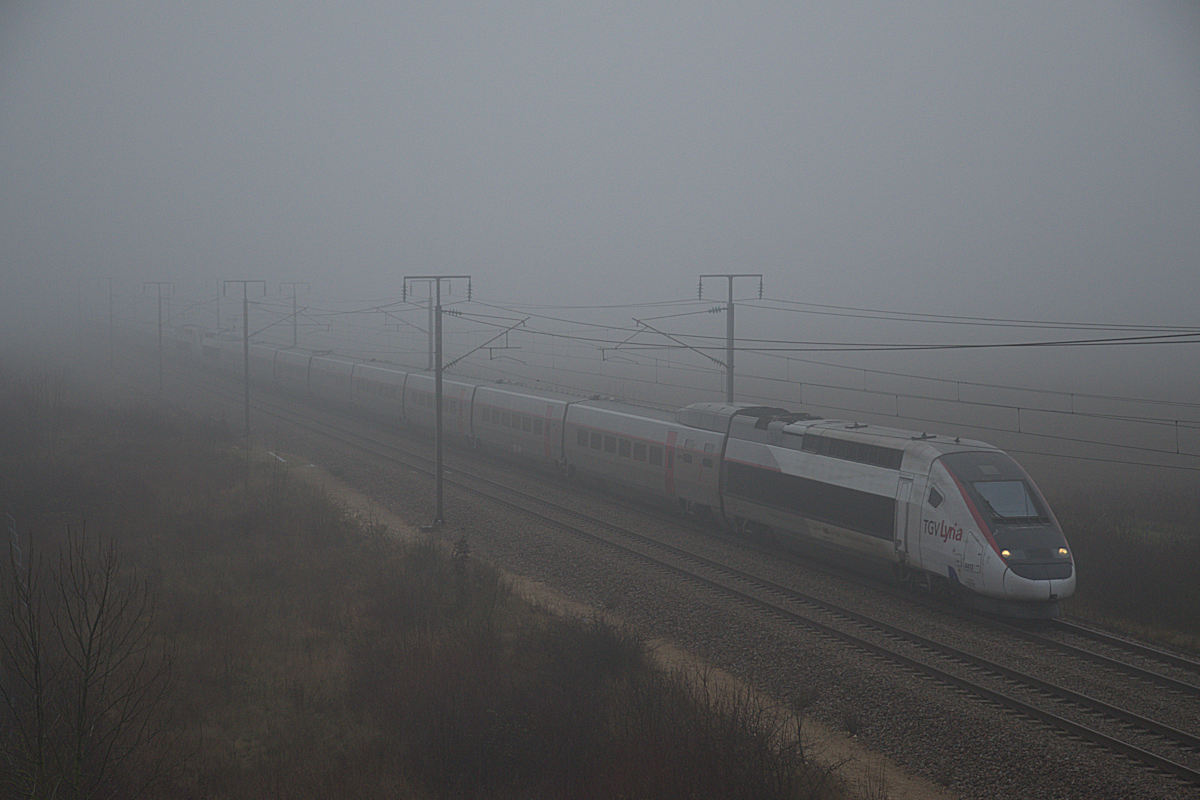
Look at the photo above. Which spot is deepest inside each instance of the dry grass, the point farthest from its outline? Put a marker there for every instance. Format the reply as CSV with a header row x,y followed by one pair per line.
x,y
316,657
1137,545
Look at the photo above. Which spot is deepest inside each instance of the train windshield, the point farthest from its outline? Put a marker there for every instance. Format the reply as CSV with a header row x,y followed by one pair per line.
x,y
1009,500
998,486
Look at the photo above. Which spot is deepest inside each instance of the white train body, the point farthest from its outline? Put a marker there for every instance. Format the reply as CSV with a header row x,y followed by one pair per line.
x,y
645,450
520,422
941,510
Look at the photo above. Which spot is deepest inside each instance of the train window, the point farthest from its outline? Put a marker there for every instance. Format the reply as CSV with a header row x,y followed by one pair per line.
x,y
852,451
639,451
506,416
935,497
706,462
537,426
597,439
656,456
610,444
582,438
526,423
690,444
708,448
623,446
685,458
1009,500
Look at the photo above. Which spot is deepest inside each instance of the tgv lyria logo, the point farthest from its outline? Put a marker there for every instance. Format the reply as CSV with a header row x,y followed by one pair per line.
x,y
952,533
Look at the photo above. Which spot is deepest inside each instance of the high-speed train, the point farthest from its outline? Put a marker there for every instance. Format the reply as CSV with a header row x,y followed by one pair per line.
x,y
944,512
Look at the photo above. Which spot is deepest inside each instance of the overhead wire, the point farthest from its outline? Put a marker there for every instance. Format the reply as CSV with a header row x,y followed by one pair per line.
x,y
956,319
1179,334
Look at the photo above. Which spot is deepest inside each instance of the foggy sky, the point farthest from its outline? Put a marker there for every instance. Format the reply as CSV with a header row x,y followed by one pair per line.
x,y
1000,159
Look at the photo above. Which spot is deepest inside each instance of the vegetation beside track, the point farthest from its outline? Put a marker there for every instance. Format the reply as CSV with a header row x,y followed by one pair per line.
x,y
1137,550
312,654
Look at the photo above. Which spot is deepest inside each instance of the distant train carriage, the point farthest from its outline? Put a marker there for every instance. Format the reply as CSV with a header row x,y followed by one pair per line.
x,y
291,369
420,407
210,352
329,378
230,357
379,390
518,421
262,363
185,340
644,449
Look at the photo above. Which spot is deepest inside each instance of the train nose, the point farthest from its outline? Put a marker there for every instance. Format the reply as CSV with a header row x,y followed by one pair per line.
x,y
1063,588
1017,587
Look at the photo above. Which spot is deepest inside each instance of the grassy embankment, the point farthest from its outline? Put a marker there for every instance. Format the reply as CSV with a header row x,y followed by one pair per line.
x,y
314,655
1137,548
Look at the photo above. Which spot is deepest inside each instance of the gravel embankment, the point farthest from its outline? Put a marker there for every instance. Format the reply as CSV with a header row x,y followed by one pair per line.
x,y
951,739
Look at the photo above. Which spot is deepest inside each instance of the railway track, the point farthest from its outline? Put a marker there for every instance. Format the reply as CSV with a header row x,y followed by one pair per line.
x,y
1167,748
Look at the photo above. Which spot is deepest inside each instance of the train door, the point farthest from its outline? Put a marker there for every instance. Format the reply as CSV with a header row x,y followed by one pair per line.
x,y
903,495
971,567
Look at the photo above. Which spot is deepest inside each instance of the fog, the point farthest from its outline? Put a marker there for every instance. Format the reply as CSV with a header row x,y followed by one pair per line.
x,y
1000,160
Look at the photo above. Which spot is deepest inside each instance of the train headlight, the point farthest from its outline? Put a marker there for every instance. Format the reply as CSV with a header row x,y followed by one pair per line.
x,y
1005,553
1062,551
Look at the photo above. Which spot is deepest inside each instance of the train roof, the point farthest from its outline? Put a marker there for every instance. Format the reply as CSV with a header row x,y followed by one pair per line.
x,y
625,407
717,416
523,390
881,434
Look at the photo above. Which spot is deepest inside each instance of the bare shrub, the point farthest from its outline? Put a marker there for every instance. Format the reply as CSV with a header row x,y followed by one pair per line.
x,y
81,675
